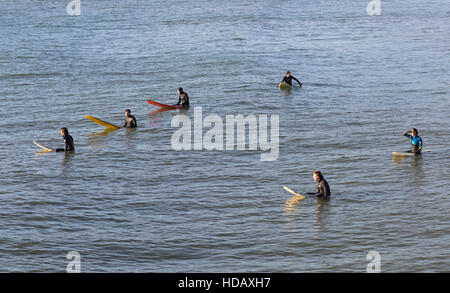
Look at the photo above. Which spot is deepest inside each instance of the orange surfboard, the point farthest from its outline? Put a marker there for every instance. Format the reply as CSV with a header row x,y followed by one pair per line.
x,y
163,105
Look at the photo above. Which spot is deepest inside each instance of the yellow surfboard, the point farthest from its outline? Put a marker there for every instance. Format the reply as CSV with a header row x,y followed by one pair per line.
x,y
284,86
102,123
297,196
405,154
395,154
43,147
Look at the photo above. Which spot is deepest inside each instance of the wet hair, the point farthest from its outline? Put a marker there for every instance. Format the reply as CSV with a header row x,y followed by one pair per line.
x,y
288,72
180,89
319,174
65,130
415,131
128,110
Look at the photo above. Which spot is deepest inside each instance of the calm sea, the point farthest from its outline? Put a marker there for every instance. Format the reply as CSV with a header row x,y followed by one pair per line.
x,y
127,202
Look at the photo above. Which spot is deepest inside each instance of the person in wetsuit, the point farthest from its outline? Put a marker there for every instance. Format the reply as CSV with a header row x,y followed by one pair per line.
x,y
130,121
68,141
323,189
416,141
288,79
183,98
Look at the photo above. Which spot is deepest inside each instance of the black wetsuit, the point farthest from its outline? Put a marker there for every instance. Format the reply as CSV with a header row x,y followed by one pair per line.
x,y
323,189
289,79
183,99
130,122
69,146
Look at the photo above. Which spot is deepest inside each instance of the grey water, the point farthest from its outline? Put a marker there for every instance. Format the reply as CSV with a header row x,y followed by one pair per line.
x,y
128,202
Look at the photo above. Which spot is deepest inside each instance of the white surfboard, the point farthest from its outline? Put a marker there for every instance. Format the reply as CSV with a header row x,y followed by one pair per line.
x,y
297,196
43,147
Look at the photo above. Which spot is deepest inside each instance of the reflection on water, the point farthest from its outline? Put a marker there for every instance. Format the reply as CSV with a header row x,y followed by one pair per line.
x,y
415,161
170,225
292,205
184,110
95,139
130,133
158,111
286,92
319,214
42,153
66,158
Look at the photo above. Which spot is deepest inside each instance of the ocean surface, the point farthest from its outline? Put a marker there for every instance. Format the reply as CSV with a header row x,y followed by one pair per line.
x,y
126,201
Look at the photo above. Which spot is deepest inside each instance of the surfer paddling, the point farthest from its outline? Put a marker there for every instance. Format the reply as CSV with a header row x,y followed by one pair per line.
x,y
323,189
68,141
183,98
130,121
416,141
288,79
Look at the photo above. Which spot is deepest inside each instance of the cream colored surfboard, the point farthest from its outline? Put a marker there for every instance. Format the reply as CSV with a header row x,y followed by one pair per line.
x,y
43,147
297,196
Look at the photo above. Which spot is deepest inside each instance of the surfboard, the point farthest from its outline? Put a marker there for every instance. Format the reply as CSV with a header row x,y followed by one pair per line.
x,y
162,105
103,123
43,147
395,154
284,86
297,196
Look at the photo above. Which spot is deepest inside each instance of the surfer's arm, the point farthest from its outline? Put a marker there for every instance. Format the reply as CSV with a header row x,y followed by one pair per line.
x,y
419,149
297,81
406,133
317,193
321,190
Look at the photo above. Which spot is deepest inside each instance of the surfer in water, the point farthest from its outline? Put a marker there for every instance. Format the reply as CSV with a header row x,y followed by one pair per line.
x,y
130,121
68,141
416,141
323,189
288,79
183,98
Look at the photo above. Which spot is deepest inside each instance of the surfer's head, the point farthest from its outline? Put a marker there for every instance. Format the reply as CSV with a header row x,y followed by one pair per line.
x,y
288,73
180,90
127,112
414,132
64,131
317,176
